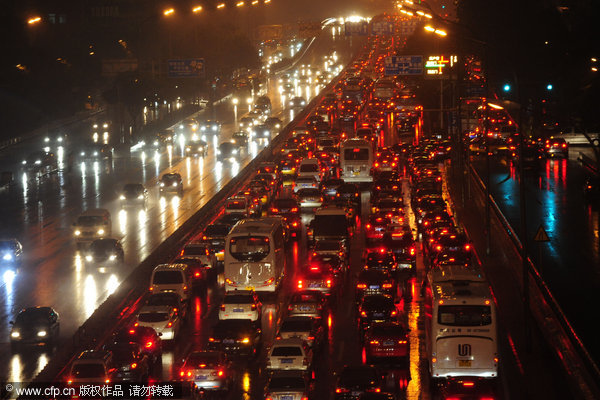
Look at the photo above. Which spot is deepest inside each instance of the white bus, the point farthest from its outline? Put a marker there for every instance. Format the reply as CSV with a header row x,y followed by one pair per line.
x,y
255,255
461,325
356,160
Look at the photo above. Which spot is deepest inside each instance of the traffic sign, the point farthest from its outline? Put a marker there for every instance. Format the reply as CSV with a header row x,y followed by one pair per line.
x,y
356,28
541,235
403,65
382,28
185,68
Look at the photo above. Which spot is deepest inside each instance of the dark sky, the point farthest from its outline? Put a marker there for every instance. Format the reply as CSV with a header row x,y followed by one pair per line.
x,y
294,10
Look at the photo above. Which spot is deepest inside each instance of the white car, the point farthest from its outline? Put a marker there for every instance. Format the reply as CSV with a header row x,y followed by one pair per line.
x,y
306,182
289,354
163,319
240,305
309,198
309,167
288,385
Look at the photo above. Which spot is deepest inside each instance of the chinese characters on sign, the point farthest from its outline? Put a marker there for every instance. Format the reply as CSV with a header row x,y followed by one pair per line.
x,y
186,68
403,65
437,66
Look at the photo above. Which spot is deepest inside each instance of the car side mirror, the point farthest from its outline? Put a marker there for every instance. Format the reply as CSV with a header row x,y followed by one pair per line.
x,y
159,333
11,322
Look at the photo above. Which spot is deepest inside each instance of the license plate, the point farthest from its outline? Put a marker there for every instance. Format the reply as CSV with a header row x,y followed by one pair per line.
x,y
315,285
228,341
287,397
378,315
373,286
304,308
238,310
355,394
464,363
201,377
388,342
356,173
286,360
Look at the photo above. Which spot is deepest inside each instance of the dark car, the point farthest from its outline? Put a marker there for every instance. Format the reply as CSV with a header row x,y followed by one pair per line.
x,y
198,148
370,282
289,209
329,187
171,183
133,195
214,236
240,138
130,362
338,265
227,151
349,191
468,388
402,243
40,163
147,338
387,342
105,253
591,188
354,381
381,259
556,147
35,325
375,309
236,337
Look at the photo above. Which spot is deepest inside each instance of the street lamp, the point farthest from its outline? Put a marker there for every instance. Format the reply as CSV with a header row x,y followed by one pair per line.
x,y
506,87
197,9
220,6
168,12
549,86
240,4
34,20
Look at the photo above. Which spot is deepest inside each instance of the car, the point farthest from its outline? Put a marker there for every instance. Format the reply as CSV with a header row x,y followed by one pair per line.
x,y
91,366
371,282
399,239
390,207
147,338
329,187
40,163
317,277
240,138
334,263
375,227
306,303
288,385
164,319
241,305
274,123
591,188
241,205
35,325
260,132
133,195
307,182
289,209
199,272
289,354
105,254
306,328
214,236
451,241
309,198
208,370
209,127
349,191
95,152
556,147
240,337
11,252
375,309
388,340
170,299
197,148
200,251
228,151
468,387
296,102
380,258
309,167
130,363
171,183
451,258
331,248
354,381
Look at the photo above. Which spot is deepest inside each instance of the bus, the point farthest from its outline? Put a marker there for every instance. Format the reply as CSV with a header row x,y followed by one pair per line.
x,y
460,323
356,159
255,255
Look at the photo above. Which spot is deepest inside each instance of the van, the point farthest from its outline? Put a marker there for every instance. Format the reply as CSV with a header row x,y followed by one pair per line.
x,y
92,366
92,224
172,278
239,205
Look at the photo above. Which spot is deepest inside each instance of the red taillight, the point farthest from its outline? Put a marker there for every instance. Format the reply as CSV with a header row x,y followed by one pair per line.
x,y
300,284
467,247
468,384
438,248
363,313
412,251
368,226
134,366
197,274
253,307
221,373
341,390
393,313
402,342
564,145
222,307
274,210
149,344
375,342
294,209
387,285
328,283
170,324
361,286
294,224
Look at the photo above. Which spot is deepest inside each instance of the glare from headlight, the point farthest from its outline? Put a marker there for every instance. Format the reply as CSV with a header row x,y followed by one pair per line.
x,y
100,231
234,152
214,128
162,184
24,162
95,154
42,333
122,197
7,257
141,197
174,183
15,334
77,233
112,257
89,258
82,153
38,162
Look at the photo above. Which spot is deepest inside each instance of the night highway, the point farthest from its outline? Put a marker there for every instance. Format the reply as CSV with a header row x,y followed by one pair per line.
x,y
291,214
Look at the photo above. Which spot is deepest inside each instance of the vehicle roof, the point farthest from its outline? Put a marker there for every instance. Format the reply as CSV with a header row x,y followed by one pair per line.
x,y
94,212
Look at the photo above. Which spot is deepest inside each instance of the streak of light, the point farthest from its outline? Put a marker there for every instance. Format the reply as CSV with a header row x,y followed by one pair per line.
x,y
123,221
15,369
41,363
90,295
112,284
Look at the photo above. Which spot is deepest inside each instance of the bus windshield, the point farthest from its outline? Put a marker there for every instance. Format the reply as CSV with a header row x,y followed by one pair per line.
x,y
249,248
460,315
356,154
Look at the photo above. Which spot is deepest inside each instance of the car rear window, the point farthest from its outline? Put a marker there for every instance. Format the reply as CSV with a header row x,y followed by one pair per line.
x,y
153,317
287,351
238,299
167,277
88,370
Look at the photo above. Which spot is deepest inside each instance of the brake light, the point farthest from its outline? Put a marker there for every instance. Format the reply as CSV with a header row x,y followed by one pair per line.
x,y
374,342
363,313
468,384
438,248
294,209
222,307
253,307
300,284
341,390
402,342
274,210
211,339
387,285
149,344
197,274
467,247
294,224
170,324
393,313
221,373
328,283
412,251
361,286
368,226
133,366
182,373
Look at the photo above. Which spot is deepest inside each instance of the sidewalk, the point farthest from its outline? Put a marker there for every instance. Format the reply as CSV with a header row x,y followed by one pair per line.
x,y
530,375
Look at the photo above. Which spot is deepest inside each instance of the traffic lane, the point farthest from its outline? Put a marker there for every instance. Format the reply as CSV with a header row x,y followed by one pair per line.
x,y
569,261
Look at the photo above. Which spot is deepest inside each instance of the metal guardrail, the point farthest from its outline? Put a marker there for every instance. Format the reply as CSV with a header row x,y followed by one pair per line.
x,y
584,381
588,161
130,293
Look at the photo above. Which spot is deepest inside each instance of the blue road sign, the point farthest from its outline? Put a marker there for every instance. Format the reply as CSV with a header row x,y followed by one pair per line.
x,y
403,65
356,28
185,68
382,28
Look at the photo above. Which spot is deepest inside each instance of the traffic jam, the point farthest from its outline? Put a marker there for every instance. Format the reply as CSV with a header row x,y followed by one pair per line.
x,y
337,271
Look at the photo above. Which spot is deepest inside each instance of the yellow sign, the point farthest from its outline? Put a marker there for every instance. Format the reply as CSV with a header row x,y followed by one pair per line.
x,y
435,65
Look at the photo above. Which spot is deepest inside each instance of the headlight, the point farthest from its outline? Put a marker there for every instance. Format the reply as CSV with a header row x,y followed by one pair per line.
x,y
77,233
100,231
122,197
95,154
89,258
24,162
162,184
15,334
7,257
156,142
42,333
234,152
82,154
112,257
141,197
38,162
174,183
218,151
214,128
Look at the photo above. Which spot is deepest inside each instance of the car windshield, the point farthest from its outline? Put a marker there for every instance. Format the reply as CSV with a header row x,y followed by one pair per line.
x,y
356,154
133,189
287,383
170,179
464,315
88,370
195,250
102,246
167,277
162,299
286,351
90,220
153,316
32,317
249,248
202,360
309,168
216,230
